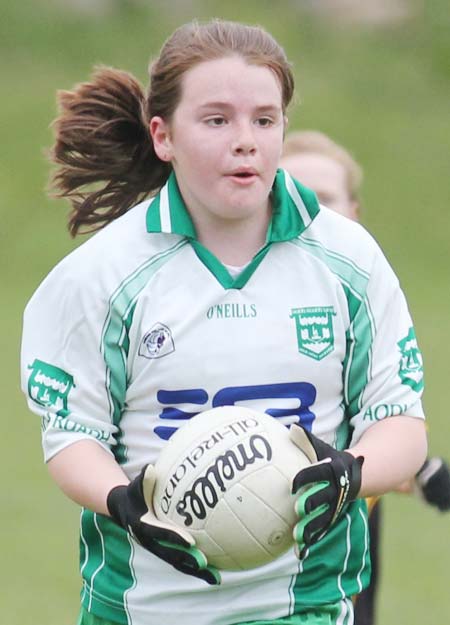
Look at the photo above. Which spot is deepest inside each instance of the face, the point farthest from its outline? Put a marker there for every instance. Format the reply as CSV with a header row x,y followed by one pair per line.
x,y
224,140
326,177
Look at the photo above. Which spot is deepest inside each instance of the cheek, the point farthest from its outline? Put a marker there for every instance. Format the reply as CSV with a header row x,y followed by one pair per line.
x,y
200,150
273,147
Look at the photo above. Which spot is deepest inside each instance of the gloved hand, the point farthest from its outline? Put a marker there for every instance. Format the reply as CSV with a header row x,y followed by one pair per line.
x,y
132,508
433,482
325,487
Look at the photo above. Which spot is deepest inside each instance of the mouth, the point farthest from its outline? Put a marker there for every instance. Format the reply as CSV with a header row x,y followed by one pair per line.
x,y
243,174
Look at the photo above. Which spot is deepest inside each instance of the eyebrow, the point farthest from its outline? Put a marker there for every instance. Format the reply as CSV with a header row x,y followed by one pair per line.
x,y
226,105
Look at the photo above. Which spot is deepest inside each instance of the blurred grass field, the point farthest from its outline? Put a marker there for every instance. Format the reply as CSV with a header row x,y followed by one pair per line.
x,y
382,92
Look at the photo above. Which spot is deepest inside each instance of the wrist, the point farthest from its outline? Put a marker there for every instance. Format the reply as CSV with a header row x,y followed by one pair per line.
x,y
356,474
116,504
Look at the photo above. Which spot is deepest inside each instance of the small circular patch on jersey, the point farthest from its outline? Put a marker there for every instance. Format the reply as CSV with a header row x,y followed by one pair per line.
x,y
157,342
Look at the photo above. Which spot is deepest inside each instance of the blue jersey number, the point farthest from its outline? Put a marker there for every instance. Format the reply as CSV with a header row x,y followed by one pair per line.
x,y
304,392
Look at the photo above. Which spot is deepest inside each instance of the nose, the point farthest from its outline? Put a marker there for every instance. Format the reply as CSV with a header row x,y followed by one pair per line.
x,y
244,140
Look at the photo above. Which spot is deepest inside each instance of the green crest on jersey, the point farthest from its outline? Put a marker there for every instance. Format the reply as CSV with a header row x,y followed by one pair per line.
x,y
315,334
49,386
410,367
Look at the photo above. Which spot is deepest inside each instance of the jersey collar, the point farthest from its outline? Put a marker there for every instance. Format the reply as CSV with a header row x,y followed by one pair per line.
x,y
293,209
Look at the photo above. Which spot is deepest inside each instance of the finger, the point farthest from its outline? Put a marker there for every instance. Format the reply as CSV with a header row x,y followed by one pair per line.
x,y
309,527
210,575
311,498
191,557
190,561
301,551
319,472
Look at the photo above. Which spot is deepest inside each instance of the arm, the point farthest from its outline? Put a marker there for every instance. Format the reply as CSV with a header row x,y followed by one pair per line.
x,y
90,476
387,453
73,469
64,369
393,450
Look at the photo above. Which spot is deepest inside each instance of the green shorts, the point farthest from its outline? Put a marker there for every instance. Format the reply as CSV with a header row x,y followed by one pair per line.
x,y
324,615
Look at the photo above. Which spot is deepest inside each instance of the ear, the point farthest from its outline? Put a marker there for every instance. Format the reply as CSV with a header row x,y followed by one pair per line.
x,y
285,126
160,133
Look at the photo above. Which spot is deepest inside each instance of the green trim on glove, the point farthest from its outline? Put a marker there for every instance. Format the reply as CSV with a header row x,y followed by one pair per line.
x,y
325,488
132,508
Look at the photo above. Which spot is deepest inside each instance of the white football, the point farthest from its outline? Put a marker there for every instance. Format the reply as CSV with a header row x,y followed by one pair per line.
x,y
225,477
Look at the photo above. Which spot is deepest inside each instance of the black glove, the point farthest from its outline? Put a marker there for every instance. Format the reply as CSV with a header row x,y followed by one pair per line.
x,y
326,487
433,482
131,507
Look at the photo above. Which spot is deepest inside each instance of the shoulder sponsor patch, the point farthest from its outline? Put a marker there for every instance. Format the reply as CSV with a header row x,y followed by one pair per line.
x,y
411,363
49,385
315,334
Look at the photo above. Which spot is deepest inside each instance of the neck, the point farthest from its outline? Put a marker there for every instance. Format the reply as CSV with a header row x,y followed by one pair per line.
x,y
234,242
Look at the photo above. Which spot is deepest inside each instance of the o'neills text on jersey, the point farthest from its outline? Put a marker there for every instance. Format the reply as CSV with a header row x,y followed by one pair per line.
x,y
232,311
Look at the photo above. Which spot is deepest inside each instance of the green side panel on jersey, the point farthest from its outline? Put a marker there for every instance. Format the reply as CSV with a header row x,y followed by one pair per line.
x,y
358,359
105,567
345,546
360,336
342,436
115,335
347,540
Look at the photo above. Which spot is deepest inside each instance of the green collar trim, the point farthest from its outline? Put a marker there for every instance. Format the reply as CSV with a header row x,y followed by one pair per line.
x,y
168,213
293,209
213,264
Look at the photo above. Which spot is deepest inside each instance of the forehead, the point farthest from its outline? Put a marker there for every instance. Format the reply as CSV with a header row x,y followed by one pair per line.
x,y
230,80
316,171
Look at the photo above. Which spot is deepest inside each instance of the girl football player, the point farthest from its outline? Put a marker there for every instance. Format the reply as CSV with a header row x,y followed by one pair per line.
x,y
122,343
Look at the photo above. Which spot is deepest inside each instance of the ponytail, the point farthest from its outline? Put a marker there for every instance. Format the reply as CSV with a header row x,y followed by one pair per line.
x,y
103,150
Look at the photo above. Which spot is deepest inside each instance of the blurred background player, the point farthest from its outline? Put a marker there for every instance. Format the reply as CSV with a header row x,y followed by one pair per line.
x,y
327,168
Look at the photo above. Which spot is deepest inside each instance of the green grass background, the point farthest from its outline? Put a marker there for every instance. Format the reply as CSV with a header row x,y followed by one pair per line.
x,y
384,93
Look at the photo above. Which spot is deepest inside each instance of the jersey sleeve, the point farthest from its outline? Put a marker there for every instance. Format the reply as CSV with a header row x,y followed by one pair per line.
x,y
383,372
63,371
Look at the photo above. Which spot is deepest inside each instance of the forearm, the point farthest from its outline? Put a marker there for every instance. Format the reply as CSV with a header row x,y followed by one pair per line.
x,y
86,473
394,450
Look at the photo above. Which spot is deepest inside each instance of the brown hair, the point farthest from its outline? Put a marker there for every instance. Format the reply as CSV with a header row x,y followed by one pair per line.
x,y
315,142
103,149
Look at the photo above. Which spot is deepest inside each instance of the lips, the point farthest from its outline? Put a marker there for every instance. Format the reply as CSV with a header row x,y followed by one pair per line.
x,y
243,172
243,176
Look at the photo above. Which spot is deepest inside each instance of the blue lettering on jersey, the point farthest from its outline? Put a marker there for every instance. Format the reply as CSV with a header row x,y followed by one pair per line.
x,y
304,392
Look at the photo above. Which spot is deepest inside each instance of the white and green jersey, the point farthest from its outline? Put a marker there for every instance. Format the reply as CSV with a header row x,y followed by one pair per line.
x,y
141,328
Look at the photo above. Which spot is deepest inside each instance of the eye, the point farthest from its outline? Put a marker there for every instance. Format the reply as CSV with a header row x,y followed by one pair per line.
x,y
216,121
265,122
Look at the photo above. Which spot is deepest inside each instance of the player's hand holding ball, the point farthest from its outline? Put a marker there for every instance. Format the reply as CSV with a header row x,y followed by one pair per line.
x,y
325,487
132,508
